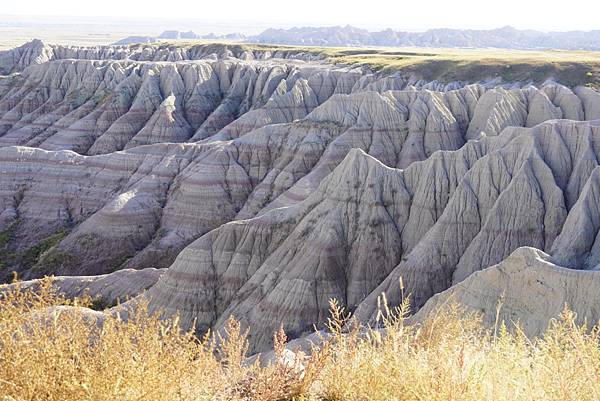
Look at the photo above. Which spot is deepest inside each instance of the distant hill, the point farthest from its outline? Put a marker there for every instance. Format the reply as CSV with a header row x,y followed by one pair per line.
x,y
136,39
506,37
179,35
349,36
174,35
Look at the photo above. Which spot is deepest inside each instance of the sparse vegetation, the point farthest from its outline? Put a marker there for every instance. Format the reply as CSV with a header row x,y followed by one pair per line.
x,y
120,264
7,235
451,356
32,255
19,260
29,258
100,303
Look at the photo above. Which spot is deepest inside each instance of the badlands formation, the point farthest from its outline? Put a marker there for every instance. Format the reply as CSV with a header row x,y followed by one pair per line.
x,y
262,183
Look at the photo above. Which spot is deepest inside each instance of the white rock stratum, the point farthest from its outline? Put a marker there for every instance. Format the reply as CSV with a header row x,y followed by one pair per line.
x,y
528,289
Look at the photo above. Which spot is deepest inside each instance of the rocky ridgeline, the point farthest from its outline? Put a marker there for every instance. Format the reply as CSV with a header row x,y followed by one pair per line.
x,y
104,290
101,106
38,52
269,186
174,35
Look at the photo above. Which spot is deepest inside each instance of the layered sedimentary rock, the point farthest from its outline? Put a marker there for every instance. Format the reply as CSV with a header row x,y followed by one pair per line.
x,y
37,52
525,292
102,106
145,204
101,100
34,52
525,194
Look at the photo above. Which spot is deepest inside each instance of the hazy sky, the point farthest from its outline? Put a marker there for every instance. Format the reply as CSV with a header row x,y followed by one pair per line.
x,y
399,14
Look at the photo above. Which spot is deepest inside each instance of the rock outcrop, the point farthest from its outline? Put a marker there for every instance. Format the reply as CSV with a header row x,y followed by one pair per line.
x,y
520,195
528,288
106,289
172,34
132,40
34,52
37,52
100,107
191,35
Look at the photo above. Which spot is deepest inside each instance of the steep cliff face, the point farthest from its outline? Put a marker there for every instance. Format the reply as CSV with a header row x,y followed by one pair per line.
x,y
271,183
520,195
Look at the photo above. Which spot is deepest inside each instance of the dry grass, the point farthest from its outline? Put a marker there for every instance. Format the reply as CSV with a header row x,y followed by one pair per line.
x,y
453,357
450,357
65,357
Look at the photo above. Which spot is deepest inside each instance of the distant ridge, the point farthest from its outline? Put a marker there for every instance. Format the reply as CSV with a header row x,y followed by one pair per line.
x,y
130,40
505,37
349,36
172,34
178,35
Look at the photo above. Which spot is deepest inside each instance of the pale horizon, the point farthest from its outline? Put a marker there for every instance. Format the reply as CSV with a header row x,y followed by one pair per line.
x,y
416,16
